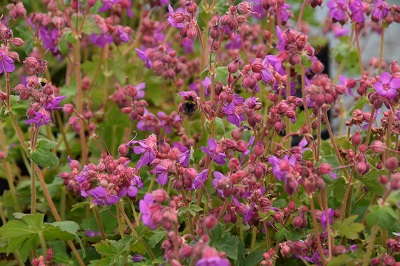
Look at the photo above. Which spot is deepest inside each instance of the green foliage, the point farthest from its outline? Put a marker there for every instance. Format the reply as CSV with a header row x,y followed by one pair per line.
x,y
221,75
24,234
348,228
216,125
384,216
114,252
42,155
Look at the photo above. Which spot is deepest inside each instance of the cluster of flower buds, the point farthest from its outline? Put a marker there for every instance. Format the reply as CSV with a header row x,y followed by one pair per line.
x,y
385,259
106,182
236,16
278,10
279,111
17,10
322,91
166,63
269,258
155,214
44,260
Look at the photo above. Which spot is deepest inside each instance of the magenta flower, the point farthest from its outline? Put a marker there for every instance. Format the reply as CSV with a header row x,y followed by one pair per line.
x,y
171,19
387,86
276,166
380,11
101,196
142,55
338,9
281,39
107,4
39,119
6,63
148,154
144,206
50,39
101,40
357,11
200,179
162,172
231,115
213,261
55,103
214,154
324,218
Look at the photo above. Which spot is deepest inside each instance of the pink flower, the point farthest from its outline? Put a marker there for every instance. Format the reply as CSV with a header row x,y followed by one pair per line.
x,y
6,63
387,86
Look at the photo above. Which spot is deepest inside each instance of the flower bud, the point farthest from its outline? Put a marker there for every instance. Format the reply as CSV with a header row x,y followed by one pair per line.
x,y
317,67
378,146
159,195
362,168
325,168
123,149
356,139
191,7
31,62
210,222
2,155
392,163
299,222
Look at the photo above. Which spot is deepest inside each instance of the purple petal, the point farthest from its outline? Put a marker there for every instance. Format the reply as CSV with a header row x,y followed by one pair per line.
x,y
212,145
385,78
394,83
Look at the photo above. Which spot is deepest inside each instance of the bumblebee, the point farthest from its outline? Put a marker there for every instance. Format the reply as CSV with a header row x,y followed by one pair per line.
x,y
189,106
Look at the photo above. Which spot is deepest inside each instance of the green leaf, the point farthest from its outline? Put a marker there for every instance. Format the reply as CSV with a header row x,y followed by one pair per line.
x,y
216,234
19,108
348,228
215,125
89,25
42,156
339,189
231,245
340,260
221,74
370,180
156,238
254,258
383,216
114,252
282,234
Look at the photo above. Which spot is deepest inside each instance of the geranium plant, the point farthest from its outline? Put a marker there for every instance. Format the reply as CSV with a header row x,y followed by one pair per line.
x,y
158,132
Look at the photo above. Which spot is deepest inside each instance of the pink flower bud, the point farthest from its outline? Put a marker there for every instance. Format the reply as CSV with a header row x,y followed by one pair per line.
x,y
123,149
356,139
2,155
31,62
325,168
392,163
378,146
159,195
191,7
362,168
317,67
210,222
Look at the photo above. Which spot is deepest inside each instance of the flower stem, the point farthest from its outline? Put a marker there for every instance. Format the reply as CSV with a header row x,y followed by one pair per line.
x,y
371,243
303,6
315,224
328,125
370,125
189,216
99,222
359,52
381,51
222,212
134,233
